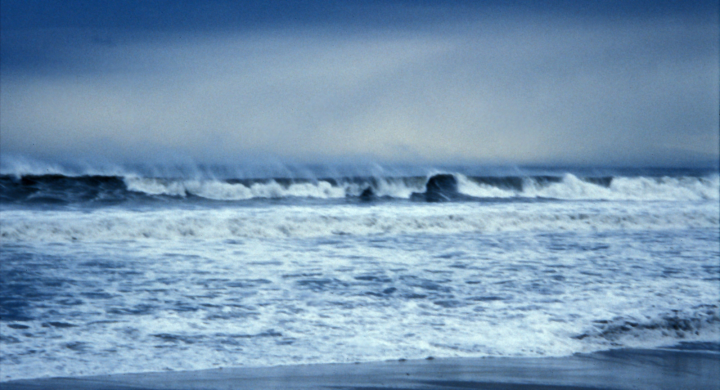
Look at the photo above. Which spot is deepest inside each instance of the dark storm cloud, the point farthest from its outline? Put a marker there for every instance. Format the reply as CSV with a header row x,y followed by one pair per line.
x,y
530,82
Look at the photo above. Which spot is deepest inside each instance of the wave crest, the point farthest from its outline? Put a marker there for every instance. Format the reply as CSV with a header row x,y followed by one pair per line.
x,y
63,189
219,190
567,187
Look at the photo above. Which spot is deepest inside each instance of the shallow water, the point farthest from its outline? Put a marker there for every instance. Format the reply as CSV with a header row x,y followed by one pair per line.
x,y
181,282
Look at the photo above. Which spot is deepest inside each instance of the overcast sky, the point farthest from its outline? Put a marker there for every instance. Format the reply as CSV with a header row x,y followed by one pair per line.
x,y
489,82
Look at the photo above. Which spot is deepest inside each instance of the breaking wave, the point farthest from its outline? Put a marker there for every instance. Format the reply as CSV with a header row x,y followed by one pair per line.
x,y
62,189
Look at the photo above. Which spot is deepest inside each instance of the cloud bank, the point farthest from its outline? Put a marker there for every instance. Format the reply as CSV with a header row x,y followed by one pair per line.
x,y
470,85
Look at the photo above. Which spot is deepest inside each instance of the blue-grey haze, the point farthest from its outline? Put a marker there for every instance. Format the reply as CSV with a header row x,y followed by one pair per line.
x,y
553,82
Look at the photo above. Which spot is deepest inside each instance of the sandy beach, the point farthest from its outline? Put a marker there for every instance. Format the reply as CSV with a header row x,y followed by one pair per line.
x,y
689,368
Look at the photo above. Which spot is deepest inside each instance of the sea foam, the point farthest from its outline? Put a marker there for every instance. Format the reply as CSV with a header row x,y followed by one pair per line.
x,y
382,219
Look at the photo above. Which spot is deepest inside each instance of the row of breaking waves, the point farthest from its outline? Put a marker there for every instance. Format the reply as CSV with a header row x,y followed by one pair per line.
x,y
58,189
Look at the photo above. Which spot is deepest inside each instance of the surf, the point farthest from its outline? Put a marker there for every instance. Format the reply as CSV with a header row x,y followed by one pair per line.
x,y
436,187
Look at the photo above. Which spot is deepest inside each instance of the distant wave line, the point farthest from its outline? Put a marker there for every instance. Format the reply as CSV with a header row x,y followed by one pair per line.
x,y
61,189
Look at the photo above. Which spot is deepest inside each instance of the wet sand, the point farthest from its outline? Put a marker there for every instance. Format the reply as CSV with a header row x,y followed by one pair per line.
x,y
688,368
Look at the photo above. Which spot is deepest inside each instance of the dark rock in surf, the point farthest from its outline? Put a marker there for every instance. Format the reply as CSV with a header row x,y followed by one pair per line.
x,y
443,187
367,194
444,183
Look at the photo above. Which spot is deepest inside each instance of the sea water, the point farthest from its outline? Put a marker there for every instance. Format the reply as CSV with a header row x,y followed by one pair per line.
x,y
145,270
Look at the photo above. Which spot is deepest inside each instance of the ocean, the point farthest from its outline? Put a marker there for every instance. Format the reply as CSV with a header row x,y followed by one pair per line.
x,y
106,271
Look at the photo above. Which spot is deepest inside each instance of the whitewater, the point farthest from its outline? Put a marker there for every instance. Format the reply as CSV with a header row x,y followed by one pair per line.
x,y
135,270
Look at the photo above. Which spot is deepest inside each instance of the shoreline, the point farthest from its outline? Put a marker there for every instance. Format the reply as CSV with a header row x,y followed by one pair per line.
x,y
667,368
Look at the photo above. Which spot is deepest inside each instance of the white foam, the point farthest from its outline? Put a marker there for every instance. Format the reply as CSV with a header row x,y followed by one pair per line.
x,y
668,188
628,188
384,219
549,302
396,188
189,180
569,188
220,190
478,190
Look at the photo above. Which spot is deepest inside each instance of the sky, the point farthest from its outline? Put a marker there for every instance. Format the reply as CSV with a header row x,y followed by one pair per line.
x,y
587,83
